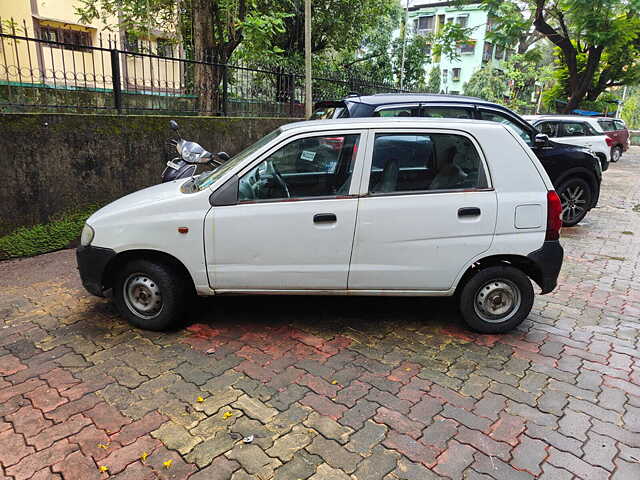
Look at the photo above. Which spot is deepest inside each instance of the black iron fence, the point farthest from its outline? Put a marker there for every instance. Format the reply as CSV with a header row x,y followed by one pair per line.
x,y
92,72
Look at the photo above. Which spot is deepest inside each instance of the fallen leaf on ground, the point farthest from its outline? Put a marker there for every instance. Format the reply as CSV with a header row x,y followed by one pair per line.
x,y
167,464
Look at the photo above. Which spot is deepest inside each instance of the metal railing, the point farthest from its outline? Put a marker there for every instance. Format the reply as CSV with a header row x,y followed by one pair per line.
x,y
38,74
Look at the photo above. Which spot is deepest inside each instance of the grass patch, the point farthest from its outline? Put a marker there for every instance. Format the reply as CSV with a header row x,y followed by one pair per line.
x,y
627,232
47,237
636,208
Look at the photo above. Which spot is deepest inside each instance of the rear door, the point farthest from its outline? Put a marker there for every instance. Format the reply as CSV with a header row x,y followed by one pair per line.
x,y
427,208
576,133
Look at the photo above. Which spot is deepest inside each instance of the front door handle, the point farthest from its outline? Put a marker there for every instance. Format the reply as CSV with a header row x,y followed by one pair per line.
x,y
469,212
325,218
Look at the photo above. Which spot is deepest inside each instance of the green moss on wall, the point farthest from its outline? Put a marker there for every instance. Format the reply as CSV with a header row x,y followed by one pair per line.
x,y
43,238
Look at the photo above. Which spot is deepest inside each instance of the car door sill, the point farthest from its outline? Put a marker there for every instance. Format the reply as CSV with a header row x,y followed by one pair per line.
x,y
353,292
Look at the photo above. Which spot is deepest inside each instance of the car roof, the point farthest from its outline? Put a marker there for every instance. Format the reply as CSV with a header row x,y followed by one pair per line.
x,y
373,122
392,98
558,117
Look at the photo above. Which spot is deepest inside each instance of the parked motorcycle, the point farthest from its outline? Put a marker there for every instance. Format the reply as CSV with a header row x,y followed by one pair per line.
x,y
192,156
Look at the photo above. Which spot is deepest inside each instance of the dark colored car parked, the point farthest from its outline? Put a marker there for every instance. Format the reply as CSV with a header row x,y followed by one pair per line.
x,y
576,172
617,131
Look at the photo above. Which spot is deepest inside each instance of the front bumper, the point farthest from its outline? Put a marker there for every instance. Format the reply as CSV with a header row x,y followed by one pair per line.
x,y
548,261
92,262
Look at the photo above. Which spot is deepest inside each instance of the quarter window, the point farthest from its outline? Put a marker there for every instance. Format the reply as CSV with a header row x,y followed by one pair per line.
x,y
606,125
424,162
619,125
304,168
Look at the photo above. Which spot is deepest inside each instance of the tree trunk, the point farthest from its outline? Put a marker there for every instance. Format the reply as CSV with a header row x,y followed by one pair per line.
x,y
205,79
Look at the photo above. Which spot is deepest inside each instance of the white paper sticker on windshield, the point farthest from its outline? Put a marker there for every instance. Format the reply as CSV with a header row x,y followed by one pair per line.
x,y
307,155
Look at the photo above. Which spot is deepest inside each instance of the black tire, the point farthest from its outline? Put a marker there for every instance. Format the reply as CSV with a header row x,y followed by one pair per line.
x,y
604,163
489,282
616,153
579,190
152,280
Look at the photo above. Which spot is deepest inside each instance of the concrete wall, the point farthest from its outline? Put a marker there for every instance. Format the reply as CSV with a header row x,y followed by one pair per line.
x,y
53,163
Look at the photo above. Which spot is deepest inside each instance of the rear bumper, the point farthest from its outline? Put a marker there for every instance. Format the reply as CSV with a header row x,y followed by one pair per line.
x,y
92,262
548,261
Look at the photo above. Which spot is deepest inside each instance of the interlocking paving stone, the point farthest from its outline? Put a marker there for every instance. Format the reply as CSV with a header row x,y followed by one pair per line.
x,y
362,388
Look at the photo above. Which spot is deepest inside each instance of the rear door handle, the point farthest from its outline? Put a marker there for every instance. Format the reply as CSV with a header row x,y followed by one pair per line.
x,y
325,218
469,212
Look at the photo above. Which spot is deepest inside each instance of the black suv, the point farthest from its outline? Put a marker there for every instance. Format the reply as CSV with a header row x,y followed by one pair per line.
x,y
575,171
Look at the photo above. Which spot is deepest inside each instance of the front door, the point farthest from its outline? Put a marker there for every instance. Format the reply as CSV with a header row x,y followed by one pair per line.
x,y
429,210
293,225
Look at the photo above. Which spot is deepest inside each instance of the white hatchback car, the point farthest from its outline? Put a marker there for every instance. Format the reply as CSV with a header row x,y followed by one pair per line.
x,y
575,130
371,206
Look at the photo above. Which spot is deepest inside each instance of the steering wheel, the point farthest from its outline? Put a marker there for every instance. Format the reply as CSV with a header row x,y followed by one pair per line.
x,y
271,171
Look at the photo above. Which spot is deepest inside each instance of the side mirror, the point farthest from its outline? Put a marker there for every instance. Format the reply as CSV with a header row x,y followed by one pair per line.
x,y
541,140
173,125
224,156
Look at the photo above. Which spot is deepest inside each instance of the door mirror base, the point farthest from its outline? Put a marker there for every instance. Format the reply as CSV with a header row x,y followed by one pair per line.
x,y
227,194
541,140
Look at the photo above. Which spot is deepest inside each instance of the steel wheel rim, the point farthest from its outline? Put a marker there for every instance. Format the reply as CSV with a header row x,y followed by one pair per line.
x,y
497,301
142,296
574,203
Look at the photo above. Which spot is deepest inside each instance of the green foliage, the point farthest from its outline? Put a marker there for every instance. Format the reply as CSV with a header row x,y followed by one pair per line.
x,y
630,112
43,238
522,72
445,42
488,84
433,84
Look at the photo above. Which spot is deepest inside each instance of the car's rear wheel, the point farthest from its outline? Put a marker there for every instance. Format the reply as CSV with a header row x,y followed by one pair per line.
x,y
150,295
616,153
575,195
496,299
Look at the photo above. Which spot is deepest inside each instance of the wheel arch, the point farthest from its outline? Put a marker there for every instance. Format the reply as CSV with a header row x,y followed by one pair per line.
x,y
521,262
122,258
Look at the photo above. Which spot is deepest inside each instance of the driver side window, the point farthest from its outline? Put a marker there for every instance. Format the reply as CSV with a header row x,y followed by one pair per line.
x,y
304,168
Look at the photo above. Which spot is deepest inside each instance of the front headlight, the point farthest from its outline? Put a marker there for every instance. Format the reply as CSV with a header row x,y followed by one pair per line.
x,y
87,235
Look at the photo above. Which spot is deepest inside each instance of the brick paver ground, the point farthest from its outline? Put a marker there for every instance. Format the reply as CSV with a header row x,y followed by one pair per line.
x,y
331,388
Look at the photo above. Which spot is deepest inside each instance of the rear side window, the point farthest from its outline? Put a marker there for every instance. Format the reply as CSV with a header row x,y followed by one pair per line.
x,y
574,129
424,162
446,112
397,112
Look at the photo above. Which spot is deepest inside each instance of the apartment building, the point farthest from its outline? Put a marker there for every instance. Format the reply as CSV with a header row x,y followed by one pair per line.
x,y
427,17
80,58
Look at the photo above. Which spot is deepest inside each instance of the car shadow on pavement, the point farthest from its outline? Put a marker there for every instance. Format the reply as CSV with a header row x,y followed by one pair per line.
x,y
336,313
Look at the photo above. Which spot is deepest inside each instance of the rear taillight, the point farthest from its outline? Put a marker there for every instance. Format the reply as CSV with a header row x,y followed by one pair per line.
x,y
609,141
554,216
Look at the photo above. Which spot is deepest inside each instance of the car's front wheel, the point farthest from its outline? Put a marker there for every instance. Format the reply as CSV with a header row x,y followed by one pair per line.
x,y
616,153
496,299
150,295
575,195
604,163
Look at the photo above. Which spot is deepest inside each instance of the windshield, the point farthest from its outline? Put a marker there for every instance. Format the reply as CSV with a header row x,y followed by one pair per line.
x,y
209,178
